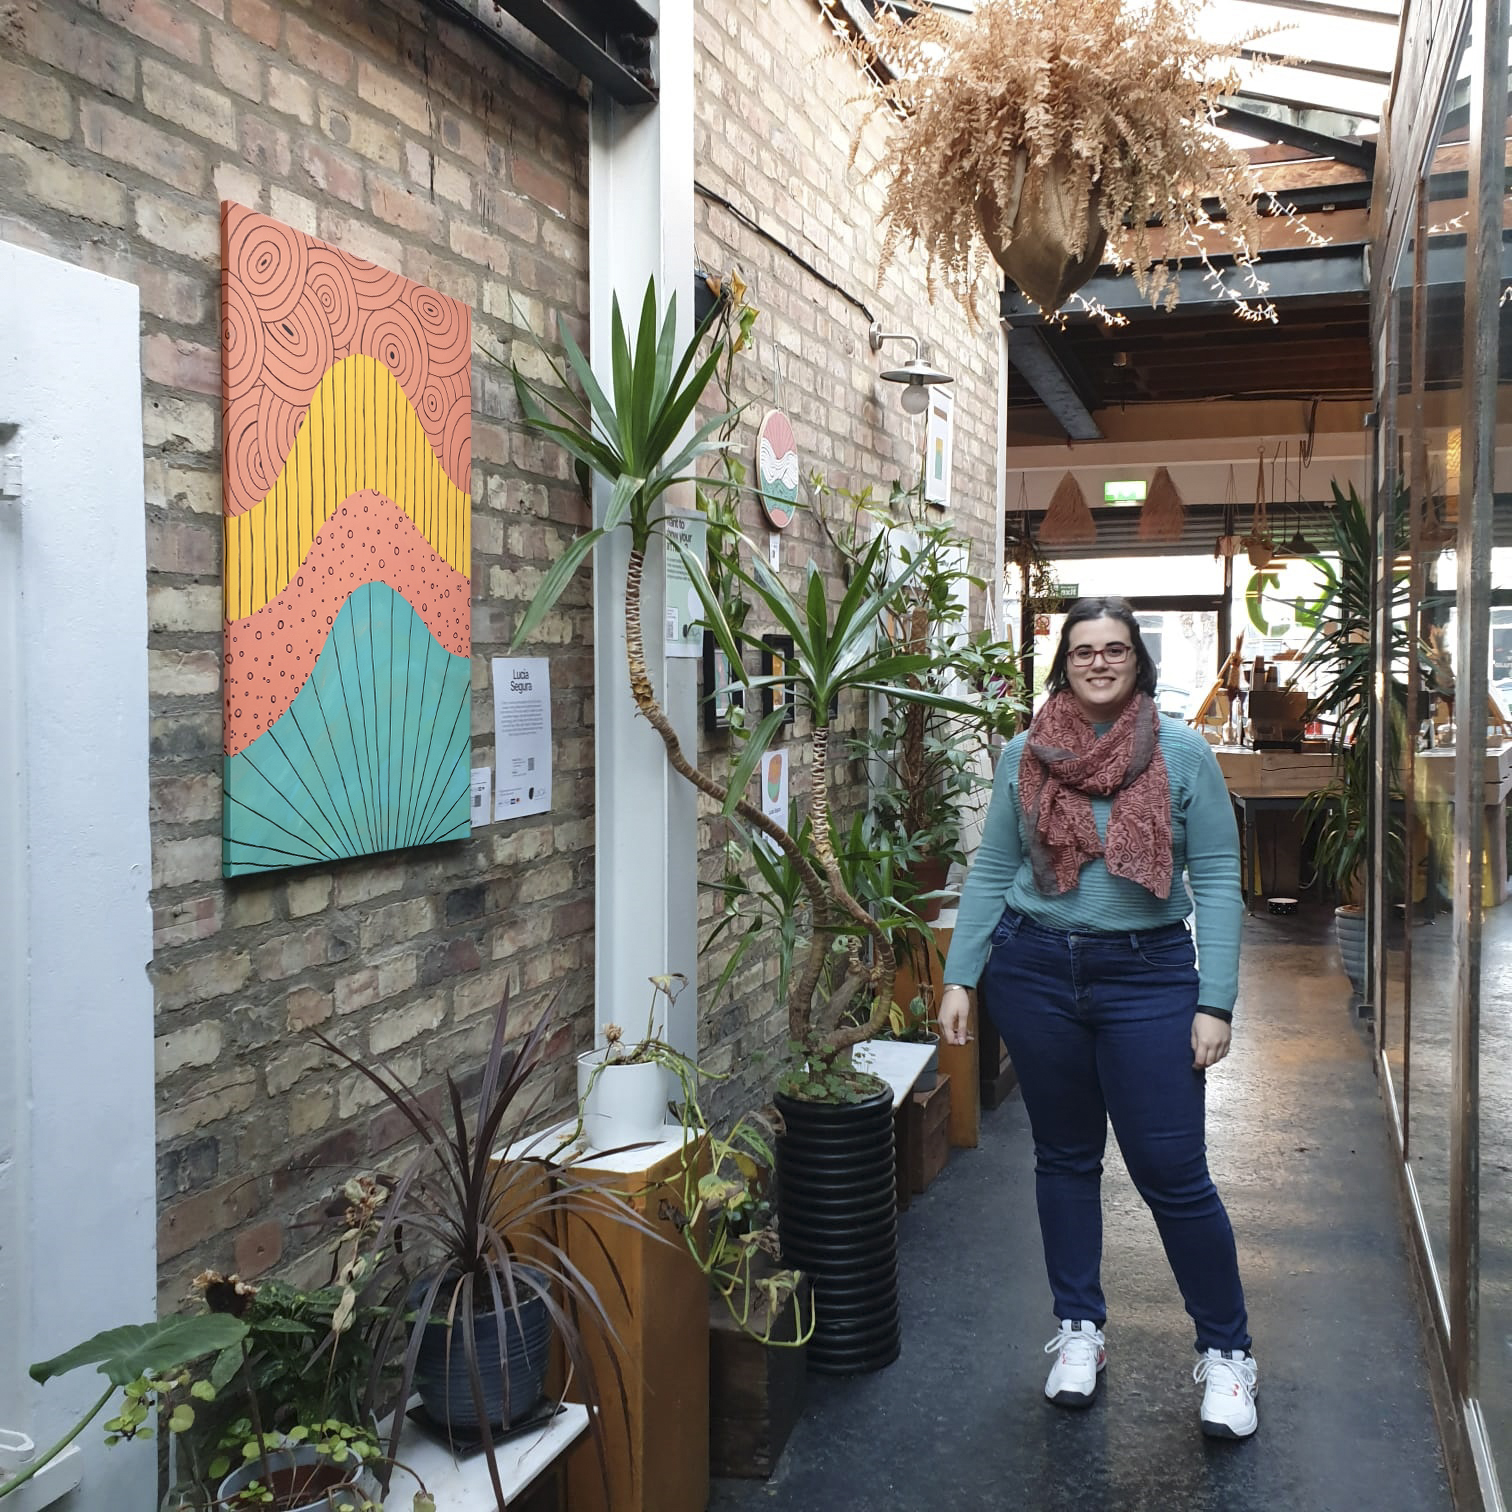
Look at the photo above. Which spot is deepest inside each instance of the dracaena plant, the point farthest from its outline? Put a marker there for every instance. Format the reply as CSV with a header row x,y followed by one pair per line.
x,y
475,1225
630,435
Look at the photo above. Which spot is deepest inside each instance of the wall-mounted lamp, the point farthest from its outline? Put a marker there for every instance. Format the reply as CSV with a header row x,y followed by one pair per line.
x,y
916,375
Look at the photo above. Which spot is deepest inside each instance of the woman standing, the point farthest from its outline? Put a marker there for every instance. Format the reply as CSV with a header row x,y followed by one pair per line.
x,y
1073,921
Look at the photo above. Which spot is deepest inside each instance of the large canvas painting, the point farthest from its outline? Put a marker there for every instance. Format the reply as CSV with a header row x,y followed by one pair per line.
x,y
347,397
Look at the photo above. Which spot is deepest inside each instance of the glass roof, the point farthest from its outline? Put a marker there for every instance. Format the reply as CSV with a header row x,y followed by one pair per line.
x,y
1328,57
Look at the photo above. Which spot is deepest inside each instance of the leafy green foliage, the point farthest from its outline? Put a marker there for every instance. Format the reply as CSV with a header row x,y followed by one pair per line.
x,y
140,1349
821,1072
626,434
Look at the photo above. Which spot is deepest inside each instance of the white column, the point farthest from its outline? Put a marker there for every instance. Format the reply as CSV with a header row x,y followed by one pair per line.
x,y
80,1011
640,226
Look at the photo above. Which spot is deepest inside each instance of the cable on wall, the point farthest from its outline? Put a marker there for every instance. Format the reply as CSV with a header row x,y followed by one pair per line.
x,y
751,224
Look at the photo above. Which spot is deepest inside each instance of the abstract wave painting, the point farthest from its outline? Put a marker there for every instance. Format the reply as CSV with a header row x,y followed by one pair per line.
x,y
347,396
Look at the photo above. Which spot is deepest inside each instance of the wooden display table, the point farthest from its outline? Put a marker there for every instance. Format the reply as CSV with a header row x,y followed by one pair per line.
x,y
658,1450
1433,787
1279,781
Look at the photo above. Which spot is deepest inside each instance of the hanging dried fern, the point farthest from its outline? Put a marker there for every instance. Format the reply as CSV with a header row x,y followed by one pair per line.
x,y
1068,521
1112,100
1163,517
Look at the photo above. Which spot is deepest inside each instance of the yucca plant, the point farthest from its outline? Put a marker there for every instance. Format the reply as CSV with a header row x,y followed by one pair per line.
x,y
626,434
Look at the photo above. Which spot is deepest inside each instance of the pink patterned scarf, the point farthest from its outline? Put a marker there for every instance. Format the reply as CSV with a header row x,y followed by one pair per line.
x,y
1065,765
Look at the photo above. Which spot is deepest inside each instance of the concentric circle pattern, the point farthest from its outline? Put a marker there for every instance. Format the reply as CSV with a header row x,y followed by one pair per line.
x,y
292,306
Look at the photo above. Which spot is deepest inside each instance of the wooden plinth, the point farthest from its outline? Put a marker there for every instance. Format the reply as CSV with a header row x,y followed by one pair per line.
x,y
756,1391
959,1062
659,1449
928,1135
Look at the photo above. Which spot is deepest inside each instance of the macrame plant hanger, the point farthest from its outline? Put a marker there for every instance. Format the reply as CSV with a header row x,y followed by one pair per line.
x,y
1229,544
1258,545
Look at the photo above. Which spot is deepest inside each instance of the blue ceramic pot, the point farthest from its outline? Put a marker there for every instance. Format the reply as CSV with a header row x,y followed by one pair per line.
x,y
441,1376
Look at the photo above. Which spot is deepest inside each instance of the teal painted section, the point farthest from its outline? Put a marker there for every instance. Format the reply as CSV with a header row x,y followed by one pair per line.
x,y
372,755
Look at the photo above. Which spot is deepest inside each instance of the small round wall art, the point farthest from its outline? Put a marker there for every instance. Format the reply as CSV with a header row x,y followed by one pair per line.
x,y
777,469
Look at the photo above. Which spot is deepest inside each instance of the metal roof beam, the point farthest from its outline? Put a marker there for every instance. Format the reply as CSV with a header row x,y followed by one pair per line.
x,y
1330,8
1333,272
607,41
1040,357
1361,155
1381,76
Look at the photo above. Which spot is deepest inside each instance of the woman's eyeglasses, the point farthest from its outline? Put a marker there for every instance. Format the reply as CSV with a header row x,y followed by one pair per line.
x,y
1084,656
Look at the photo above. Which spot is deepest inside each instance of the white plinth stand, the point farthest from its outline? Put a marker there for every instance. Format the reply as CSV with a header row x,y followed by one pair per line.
x,y
898,1062
464,1485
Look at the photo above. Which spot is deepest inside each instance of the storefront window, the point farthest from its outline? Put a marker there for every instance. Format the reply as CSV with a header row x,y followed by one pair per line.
x,y
1421,836
1493,1364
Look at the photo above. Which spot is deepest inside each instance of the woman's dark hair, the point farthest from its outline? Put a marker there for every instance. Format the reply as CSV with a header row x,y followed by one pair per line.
x,y
1085,609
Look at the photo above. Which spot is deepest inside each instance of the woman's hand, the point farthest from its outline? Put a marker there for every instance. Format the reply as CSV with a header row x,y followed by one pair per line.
x,y
1210,1040
955,1016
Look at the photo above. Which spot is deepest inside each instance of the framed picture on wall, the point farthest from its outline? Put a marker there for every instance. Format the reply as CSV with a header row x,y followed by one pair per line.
x,y
776,653
939,442
722,688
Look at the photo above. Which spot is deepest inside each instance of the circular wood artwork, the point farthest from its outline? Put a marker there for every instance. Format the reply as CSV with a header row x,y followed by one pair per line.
x,y
777,469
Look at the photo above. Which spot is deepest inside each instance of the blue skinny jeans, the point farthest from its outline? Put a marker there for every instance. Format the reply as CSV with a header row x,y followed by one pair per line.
x,y
1099,1026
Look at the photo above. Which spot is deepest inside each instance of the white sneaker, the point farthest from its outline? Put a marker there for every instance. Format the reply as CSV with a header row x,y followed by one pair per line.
x,y
1228,1403
1080,1353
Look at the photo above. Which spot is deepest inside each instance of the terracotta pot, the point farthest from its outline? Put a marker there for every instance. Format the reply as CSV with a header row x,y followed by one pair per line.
x,y
1033,237
928,875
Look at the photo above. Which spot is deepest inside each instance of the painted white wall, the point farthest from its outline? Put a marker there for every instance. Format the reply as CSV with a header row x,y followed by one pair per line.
x,y
76,1023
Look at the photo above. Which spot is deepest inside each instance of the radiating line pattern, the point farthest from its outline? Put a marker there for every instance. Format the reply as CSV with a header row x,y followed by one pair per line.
x,y
371,756
361,434
346,394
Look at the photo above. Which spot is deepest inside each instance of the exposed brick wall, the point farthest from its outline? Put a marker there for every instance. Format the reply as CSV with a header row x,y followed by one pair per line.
x,y
778,108
386,130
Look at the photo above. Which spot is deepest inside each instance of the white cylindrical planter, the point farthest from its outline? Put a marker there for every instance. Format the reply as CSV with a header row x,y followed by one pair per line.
x,y
626,1104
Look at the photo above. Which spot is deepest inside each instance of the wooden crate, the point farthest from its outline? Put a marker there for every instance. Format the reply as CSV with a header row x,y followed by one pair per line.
x,y
756,1391
928,1135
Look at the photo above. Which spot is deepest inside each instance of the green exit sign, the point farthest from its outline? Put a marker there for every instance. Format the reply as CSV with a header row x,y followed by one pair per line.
x,y
1131,492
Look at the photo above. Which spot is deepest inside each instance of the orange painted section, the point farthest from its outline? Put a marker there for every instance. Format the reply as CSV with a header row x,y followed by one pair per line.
x,y
271,653
292,307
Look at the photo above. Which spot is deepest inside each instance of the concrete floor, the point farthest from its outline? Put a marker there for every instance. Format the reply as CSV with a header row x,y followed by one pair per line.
x,y
1299,1150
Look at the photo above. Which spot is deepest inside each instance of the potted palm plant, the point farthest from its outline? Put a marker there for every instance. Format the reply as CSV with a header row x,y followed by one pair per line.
x,y
1338,665
1055,133
629,433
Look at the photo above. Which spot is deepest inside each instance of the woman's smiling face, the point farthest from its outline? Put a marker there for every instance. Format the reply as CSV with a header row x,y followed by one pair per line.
x,y
1101,668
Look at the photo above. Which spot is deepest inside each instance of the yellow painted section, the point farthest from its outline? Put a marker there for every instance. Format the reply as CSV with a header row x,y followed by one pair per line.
x,y
361,432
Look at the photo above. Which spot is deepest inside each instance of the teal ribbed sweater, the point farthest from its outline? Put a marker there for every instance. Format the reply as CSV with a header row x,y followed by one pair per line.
x,y
1204,845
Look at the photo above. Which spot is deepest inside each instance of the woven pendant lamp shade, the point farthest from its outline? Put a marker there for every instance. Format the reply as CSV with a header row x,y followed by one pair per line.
x,y
1164,515
1068,521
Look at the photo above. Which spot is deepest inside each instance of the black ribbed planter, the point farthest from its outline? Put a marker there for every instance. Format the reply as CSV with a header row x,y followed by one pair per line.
x,y
837,1206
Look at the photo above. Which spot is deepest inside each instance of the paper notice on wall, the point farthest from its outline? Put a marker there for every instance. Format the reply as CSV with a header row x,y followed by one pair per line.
x,y
773,777
482,792
684,635
522,736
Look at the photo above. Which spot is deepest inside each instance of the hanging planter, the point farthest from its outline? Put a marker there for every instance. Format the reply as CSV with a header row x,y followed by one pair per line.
x,y
1056,133
1259,547
1163,517
1047,237
1068,521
